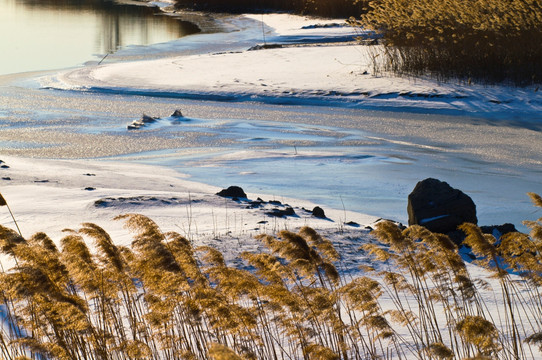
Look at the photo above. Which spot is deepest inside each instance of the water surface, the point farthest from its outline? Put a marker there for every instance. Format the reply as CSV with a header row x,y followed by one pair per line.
x,y
53,34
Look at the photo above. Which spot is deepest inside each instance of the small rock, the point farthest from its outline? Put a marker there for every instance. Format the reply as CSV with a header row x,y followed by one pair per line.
x,y
177,113
143,121
318,212
90,188
265,46
4,167
289,211
352,223
6,178
498,230
88,174
232,192
99,203
254,204
146,119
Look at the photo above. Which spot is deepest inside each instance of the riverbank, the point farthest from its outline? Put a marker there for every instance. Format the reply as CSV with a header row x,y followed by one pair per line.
x,y
52,195
331,71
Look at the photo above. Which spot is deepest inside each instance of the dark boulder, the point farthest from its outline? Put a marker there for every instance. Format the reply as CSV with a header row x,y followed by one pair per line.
x,y
318,212
233,192
440,208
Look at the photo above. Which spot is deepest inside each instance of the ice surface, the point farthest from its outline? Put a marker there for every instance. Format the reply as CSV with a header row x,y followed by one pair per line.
x,y
363,147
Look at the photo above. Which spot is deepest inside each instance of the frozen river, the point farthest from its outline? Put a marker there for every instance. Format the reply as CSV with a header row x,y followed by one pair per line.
x,y
356,159
366,161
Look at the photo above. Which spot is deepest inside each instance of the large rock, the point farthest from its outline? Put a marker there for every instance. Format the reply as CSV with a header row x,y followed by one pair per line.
x,y
440,208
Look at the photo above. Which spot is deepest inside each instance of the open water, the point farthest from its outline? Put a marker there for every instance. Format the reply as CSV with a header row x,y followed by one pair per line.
x,y
53,34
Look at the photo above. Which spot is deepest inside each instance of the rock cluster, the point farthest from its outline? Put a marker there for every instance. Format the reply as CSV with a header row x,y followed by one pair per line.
x,y
147,120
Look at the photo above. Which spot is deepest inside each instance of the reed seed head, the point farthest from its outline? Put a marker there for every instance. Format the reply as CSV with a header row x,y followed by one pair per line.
x,y
479,332
440,351
222,352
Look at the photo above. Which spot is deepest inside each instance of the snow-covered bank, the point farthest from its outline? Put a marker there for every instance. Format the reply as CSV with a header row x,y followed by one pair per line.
x,y
51,195
329,74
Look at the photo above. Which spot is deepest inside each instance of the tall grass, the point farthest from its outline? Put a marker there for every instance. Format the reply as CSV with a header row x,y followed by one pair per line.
x,y
163,298
485,40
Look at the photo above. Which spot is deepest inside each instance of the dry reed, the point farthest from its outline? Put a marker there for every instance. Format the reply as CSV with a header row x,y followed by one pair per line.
x,y
484,40
163,299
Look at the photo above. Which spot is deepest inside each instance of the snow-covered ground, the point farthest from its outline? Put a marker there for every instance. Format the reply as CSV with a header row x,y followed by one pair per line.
x,y
338,74
51,195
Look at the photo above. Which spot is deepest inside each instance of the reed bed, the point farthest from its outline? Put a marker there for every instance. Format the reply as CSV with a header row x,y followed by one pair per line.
x,y
163,298
480,40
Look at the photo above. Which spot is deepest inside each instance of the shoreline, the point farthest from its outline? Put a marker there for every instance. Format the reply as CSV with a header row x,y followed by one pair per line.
x,y
50,195
330,74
